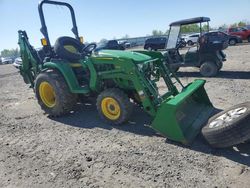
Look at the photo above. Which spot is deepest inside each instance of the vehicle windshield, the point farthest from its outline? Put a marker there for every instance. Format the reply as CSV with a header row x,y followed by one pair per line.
x,y
244,29
102,44
173,37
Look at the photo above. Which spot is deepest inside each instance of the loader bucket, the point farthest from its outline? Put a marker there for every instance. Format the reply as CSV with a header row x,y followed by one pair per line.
x,y
182,117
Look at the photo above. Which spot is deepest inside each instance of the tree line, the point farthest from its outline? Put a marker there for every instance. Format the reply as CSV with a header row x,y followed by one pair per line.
x,y
13,53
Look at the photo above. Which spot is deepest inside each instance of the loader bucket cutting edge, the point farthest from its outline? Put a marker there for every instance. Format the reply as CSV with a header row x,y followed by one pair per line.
x,y
182,117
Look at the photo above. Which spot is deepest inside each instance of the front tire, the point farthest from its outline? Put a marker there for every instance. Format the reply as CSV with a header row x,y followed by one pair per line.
x,y
209,69
114,106
53,94
229,127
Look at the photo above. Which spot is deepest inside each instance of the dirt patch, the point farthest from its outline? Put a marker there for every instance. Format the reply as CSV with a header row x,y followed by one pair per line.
x,y
79,150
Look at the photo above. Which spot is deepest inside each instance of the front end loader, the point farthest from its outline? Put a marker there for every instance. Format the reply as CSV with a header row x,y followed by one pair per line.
x,y
62,73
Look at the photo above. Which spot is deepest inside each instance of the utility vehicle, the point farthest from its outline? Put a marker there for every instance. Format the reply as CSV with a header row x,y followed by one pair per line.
x,y
207,55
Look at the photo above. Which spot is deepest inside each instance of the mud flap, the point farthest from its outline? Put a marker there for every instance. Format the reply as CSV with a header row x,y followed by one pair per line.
x,y
182,117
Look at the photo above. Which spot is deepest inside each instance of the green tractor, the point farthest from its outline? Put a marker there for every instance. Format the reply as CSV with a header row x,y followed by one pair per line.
x,y
62,73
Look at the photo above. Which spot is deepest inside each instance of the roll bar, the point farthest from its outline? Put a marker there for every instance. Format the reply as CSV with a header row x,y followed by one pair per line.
x,y
44,30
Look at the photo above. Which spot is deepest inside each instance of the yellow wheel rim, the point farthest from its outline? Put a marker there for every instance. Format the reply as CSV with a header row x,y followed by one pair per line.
x,y
111,108
47,94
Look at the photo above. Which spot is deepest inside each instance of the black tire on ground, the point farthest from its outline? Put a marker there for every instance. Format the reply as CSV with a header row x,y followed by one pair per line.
x,y
248,38
221,134
68,48
121,99
220,65
190,43
209,69
149,48
64,100
232,42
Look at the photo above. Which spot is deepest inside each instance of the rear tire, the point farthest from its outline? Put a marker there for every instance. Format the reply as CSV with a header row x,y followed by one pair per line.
x,y
190,43
53,94
209,69
229,127
248,38
114,106
232,42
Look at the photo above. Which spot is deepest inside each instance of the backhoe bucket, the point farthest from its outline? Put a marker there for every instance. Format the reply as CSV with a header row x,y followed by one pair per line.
x,y
182,117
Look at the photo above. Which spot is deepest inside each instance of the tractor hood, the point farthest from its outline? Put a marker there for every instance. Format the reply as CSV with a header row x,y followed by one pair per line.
x,y
135,56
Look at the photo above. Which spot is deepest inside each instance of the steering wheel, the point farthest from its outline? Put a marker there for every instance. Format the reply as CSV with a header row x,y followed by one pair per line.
x,y
89,48
179,44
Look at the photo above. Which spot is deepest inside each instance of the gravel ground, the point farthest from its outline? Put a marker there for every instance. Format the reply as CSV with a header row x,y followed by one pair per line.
x,y
79,150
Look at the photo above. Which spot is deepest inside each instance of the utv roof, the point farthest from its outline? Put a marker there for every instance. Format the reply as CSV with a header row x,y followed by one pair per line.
x,y
190,21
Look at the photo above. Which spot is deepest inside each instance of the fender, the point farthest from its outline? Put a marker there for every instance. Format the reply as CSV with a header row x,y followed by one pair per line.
x,y
68,74
211,57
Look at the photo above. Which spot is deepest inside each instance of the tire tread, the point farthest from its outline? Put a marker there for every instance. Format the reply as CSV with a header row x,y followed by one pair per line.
x,y
235,132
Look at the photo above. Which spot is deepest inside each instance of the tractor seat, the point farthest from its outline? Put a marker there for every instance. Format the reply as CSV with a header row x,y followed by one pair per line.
x,y
69,49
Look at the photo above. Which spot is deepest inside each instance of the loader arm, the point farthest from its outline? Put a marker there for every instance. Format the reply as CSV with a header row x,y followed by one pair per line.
x,y
30,61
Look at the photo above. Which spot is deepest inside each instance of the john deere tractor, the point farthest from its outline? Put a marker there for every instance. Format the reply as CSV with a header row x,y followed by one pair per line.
x,y
61,73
